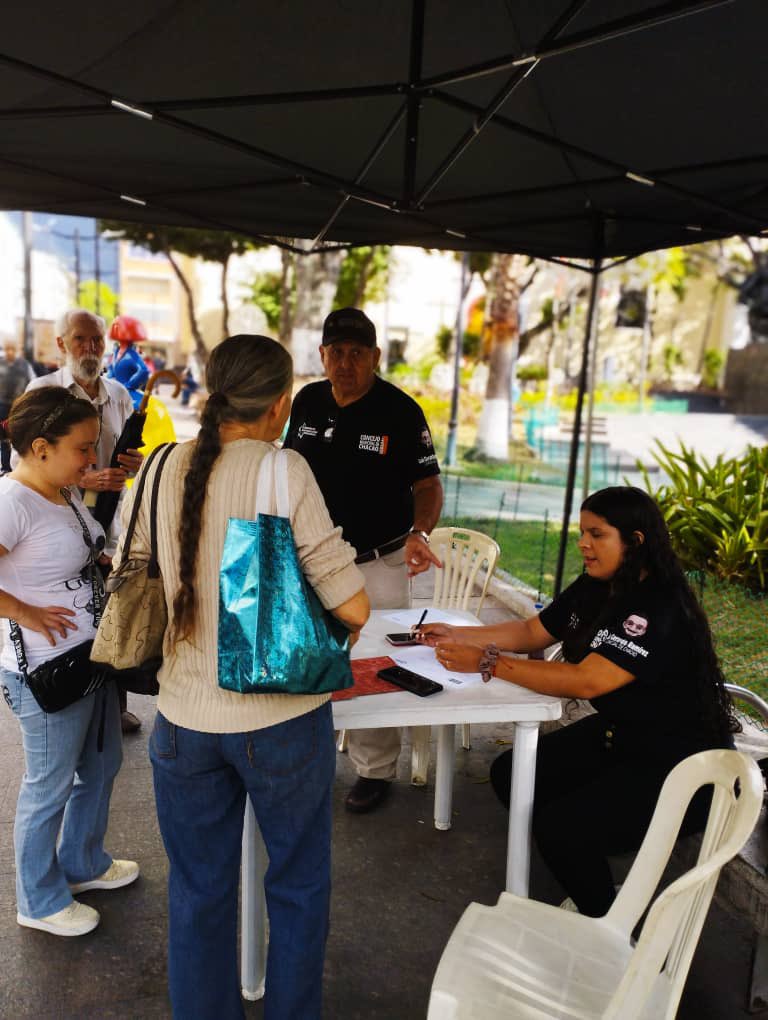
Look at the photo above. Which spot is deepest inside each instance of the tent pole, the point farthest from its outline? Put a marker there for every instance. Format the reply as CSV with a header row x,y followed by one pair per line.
x,y
453,424
591,381
576,437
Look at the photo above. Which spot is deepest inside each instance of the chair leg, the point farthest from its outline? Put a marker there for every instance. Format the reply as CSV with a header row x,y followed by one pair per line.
x,y
420,736
341,741
466,742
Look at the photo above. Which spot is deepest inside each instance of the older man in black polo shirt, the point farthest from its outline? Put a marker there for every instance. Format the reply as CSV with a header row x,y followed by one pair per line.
x,y
371,452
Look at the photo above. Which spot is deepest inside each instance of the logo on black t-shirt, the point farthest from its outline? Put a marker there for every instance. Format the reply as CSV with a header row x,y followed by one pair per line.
x,y
635,625
374,444
306,430
426,437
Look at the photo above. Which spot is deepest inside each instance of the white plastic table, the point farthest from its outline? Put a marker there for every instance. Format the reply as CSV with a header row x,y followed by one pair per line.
x,y
497,701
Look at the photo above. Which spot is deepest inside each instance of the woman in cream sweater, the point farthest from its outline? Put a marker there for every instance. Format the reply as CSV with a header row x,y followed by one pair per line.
x,y
211,747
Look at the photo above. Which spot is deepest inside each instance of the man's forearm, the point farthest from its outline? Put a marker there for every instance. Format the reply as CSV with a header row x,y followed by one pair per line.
x,y
427,504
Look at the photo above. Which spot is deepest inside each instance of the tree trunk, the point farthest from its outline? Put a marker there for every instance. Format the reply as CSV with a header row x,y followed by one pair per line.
x,y
200,349
224,299
285,327
362,279
493,427
317,276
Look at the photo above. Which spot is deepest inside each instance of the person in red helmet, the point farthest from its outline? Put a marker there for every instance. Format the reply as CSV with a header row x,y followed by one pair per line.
x,y
127,365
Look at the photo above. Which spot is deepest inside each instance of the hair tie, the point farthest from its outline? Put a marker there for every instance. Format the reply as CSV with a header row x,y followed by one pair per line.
x,y
219,398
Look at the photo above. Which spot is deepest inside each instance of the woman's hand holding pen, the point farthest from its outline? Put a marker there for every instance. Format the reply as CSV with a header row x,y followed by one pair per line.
x,y
431,633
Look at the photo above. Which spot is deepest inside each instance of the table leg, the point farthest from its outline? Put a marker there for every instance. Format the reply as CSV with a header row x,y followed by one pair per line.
x,y
253,936
521,807
446,741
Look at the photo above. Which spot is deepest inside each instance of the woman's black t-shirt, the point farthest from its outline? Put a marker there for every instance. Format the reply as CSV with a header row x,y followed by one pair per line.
x,y
649,636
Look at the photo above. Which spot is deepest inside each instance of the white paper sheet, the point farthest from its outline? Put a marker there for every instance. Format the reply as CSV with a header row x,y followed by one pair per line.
x,y
422,660
409,617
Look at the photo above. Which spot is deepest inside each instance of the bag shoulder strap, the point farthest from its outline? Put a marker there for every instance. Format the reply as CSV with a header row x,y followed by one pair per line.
x,y
153,568
281,484
272,485
140,492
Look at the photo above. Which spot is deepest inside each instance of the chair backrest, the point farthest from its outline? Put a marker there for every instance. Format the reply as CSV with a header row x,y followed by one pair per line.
x,y
653,982
463,553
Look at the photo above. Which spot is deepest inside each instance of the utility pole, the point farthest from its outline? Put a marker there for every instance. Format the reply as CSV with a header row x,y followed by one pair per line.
x,y
29,336
78,275
97,271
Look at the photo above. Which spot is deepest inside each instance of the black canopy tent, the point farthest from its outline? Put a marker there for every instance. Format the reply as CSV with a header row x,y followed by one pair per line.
x,y
565,130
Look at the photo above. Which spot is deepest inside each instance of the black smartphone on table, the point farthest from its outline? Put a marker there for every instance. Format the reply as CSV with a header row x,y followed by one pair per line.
x,y
406,638
409,681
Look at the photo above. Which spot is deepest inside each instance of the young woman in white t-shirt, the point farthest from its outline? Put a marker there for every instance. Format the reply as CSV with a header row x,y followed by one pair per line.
x,y
45,586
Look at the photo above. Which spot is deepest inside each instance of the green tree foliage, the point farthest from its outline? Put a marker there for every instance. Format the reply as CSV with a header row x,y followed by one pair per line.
x,y
672,357
209,245
713,362
717,514
363,276
265,292
470,346
98,298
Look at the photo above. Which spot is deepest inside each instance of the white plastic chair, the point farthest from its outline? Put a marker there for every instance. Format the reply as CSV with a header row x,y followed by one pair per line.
x,y
463,553
522,960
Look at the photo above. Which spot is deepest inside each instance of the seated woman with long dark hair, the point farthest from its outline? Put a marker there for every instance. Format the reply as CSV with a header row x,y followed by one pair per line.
x,y
637,644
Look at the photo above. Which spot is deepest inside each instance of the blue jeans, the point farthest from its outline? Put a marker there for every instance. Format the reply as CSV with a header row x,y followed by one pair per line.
x,y
65,789
201,782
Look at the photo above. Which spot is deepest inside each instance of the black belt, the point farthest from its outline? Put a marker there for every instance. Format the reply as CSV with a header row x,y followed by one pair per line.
x,y
388,547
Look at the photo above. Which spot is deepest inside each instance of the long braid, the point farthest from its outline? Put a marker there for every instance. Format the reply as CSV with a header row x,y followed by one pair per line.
x,y
245,375
207,450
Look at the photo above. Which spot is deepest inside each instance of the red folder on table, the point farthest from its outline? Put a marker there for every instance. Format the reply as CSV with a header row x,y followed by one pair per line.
x,y
366,682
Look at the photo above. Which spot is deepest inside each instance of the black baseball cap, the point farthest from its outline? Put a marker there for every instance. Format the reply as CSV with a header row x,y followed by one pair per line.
x,y
349,324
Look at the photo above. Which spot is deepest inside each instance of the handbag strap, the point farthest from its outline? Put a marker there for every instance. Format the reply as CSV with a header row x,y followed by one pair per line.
x,y
153,568
140,492
97,587
272,485
18,646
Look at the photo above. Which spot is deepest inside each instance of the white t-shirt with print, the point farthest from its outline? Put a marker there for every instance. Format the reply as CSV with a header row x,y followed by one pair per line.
x,y
45,566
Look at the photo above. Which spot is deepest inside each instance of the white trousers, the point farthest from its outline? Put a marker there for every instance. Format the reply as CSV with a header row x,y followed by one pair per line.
x,y
374,753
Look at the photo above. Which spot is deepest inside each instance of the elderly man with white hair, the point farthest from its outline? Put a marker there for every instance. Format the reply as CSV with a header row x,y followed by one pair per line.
x,y
80,339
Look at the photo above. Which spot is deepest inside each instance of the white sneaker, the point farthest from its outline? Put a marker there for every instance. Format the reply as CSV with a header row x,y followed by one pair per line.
x,y
76,919
118,874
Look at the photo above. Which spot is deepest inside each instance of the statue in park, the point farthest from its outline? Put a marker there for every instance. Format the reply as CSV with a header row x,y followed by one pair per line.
x,y
127,364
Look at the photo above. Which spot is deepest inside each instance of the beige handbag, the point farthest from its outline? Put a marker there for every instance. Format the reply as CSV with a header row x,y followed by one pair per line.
x,y
129,641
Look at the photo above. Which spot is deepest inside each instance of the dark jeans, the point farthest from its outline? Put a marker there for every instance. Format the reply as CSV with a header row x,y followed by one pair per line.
x,y
201,782
592,801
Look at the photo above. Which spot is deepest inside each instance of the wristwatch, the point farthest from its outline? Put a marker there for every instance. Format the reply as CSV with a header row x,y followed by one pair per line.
x,y
421,534
487,664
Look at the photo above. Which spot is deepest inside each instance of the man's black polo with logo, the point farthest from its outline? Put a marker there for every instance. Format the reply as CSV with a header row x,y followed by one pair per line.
x,y
365,456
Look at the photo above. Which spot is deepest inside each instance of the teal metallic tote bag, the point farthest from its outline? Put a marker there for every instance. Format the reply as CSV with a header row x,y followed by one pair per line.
x,y
275,637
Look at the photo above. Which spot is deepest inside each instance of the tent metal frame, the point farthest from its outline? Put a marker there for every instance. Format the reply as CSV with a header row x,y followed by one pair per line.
x,y
412,202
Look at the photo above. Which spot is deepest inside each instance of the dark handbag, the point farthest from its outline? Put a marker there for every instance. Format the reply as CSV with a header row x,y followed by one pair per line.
x,y
128,645
61,681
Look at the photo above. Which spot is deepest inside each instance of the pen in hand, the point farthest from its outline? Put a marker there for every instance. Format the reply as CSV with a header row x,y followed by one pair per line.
x,y
415,628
